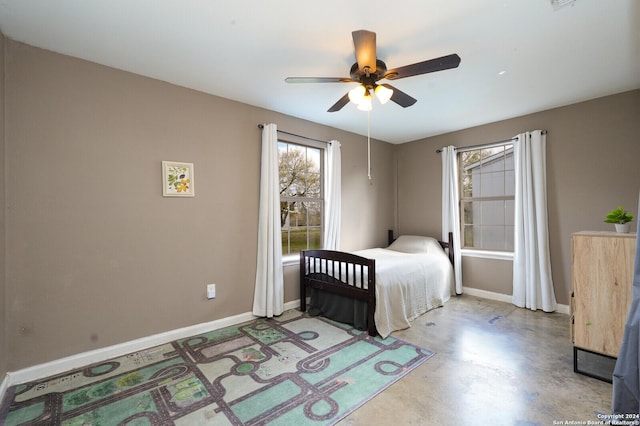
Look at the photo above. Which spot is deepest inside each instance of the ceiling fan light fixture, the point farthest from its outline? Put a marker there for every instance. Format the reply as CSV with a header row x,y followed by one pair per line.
x,y
383,94
365,104
356,95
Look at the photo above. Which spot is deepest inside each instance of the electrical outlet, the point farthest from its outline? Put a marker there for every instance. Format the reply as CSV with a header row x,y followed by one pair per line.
x,y
211,291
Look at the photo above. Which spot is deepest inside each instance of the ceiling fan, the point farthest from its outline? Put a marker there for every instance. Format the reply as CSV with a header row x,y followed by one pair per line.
x,y
368,70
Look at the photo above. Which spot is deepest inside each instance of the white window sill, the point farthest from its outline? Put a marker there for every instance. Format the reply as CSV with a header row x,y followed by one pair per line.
x,y
291,259
487,254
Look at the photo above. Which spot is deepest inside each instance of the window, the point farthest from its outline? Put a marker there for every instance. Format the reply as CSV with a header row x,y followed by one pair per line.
x,y
487,197
301,196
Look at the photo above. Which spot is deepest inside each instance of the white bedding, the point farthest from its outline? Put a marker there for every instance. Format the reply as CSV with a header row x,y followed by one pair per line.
x,y
408,284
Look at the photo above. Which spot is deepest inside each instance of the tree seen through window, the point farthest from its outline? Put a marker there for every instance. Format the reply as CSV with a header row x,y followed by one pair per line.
x,y
301,202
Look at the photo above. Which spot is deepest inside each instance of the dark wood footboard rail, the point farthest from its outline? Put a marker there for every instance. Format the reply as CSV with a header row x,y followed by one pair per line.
x,y
340,273
449,245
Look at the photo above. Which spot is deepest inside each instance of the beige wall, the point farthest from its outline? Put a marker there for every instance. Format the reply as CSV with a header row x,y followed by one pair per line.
x,y
593,150
3,311
95,255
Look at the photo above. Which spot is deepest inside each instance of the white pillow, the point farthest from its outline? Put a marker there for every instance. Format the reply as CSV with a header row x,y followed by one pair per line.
x,y
415,244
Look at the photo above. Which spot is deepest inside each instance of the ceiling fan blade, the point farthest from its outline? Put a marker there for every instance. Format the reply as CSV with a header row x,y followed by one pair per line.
x,y
431,65
400,97
340,104
364,43
318,80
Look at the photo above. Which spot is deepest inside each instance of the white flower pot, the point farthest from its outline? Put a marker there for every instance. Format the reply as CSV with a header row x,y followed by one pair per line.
x,y
623,228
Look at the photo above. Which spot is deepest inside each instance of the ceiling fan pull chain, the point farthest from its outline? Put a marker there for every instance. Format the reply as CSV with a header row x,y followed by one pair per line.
x,y
369,144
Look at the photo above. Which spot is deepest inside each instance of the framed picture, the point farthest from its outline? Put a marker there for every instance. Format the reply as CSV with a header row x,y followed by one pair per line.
x,y
177,179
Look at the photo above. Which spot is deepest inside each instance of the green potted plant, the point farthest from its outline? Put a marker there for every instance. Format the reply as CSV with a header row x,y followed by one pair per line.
x,y
620,218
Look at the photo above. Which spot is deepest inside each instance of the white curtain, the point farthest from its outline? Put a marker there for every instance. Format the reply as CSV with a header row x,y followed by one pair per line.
x,y
268,299
626,374
451,209
333,196
532,282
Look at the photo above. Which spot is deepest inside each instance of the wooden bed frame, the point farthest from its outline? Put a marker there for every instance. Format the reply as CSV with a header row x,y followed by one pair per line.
x,y
361,272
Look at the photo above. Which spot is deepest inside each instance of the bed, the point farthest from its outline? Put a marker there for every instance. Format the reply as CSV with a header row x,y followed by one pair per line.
x,y
379,290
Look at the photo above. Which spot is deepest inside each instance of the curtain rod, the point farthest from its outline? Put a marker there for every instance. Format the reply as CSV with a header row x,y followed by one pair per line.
x,y
261,126
483,145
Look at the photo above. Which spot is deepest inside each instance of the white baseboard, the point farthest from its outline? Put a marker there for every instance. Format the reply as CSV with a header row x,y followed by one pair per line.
x,y
86,358
98,355
3,387
486,294
562,309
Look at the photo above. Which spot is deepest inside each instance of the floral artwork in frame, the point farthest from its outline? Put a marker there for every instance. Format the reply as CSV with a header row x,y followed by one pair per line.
x,y
177,179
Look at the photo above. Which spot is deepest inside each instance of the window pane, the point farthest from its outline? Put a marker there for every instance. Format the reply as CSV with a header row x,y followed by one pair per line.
x,y
508,159
492,212
284,214
300,151
292,167
509,238
467,210
490,155
312,173
469,159
314,213
469,166
509,212
299,171
312,182
510,183
315,238
492,184
298,240
313,158
298,215
285,222
476,212
282,147
493,238
285,242
492,161
466,186
468,236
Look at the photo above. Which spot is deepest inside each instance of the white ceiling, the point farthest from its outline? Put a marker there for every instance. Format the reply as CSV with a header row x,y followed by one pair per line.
x,y
518,57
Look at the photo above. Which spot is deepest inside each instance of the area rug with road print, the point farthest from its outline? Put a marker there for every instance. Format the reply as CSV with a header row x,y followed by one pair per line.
x,y
290,370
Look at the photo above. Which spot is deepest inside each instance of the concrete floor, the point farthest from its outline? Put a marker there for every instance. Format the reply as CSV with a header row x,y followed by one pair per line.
x,y
496,364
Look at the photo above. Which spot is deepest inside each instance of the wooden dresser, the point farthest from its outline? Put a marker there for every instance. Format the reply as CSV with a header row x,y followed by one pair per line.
x,y
602,282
